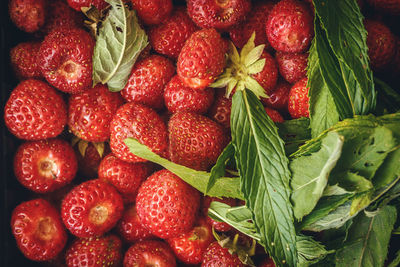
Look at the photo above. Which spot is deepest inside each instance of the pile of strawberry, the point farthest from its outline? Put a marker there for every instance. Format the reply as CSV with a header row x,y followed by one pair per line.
x,y
97,203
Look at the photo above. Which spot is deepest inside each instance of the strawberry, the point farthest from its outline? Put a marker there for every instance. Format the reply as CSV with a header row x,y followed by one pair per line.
x,y
268,76
45,165
152,12
180,98
166,205
202,59
169,37
274,115
195,141
35,111
219,226
216,255
220,111
298,99
59,15
268,262
190,247
388,6
130,227
23,60
38,230
381,44
278,99
149,253
220,15
147,81
91,208
292,66
79,4
290,26
95,252
27,15
91,111
65,59
140,122
255,22
126,177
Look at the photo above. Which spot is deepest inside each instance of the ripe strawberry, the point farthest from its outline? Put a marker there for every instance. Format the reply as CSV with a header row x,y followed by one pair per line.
x,y
147,81
91,111
220,15
290,26
60,14
278,99
23,60
298,99
216,255
219,226
38,230
130,227
190,247
180,98
255,22
45,165
95,252
268,76
35,111
381,44
389,6
78,4
27,15
166,205
169,37
202,59
126,177
91,209
220,111
140,122
292,66
65,59
274,115
195,141
149,253
152,12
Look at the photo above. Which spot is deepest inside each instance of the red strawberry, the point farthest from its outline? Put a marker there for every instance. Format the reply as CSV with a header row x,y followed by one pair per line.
x,y
147,81
59,15
190,247
216,255
220,15
38,230
28,15
149,253
130,227
142,123
292,66
388,6
95,252
91,209
46,165
152,12
124,176
91,111
195,141
381,44
166,205
65,59
268,76
219,226
256,21
180,98
202,59
278,99
274,115
35,111
169,37
290,26
220,111
298,99
23,60
78,4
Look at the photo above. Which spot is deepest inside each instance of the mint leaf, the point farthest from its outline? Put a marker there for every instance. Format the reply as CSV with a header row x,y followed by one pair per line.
x,y
355,183
368,239
118,45
223,187
264,176
294,133
310,251
388,99
310,174
389,170
396,261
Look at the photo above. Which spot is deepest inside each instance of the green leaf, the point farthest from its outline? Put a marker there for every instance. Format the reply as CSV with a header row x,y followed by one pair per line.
x,y
294,133
223,187
264,173
354,183
118,45
368,240
310,251
254,55
308,183
388,99
218,170
396,261
334,190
